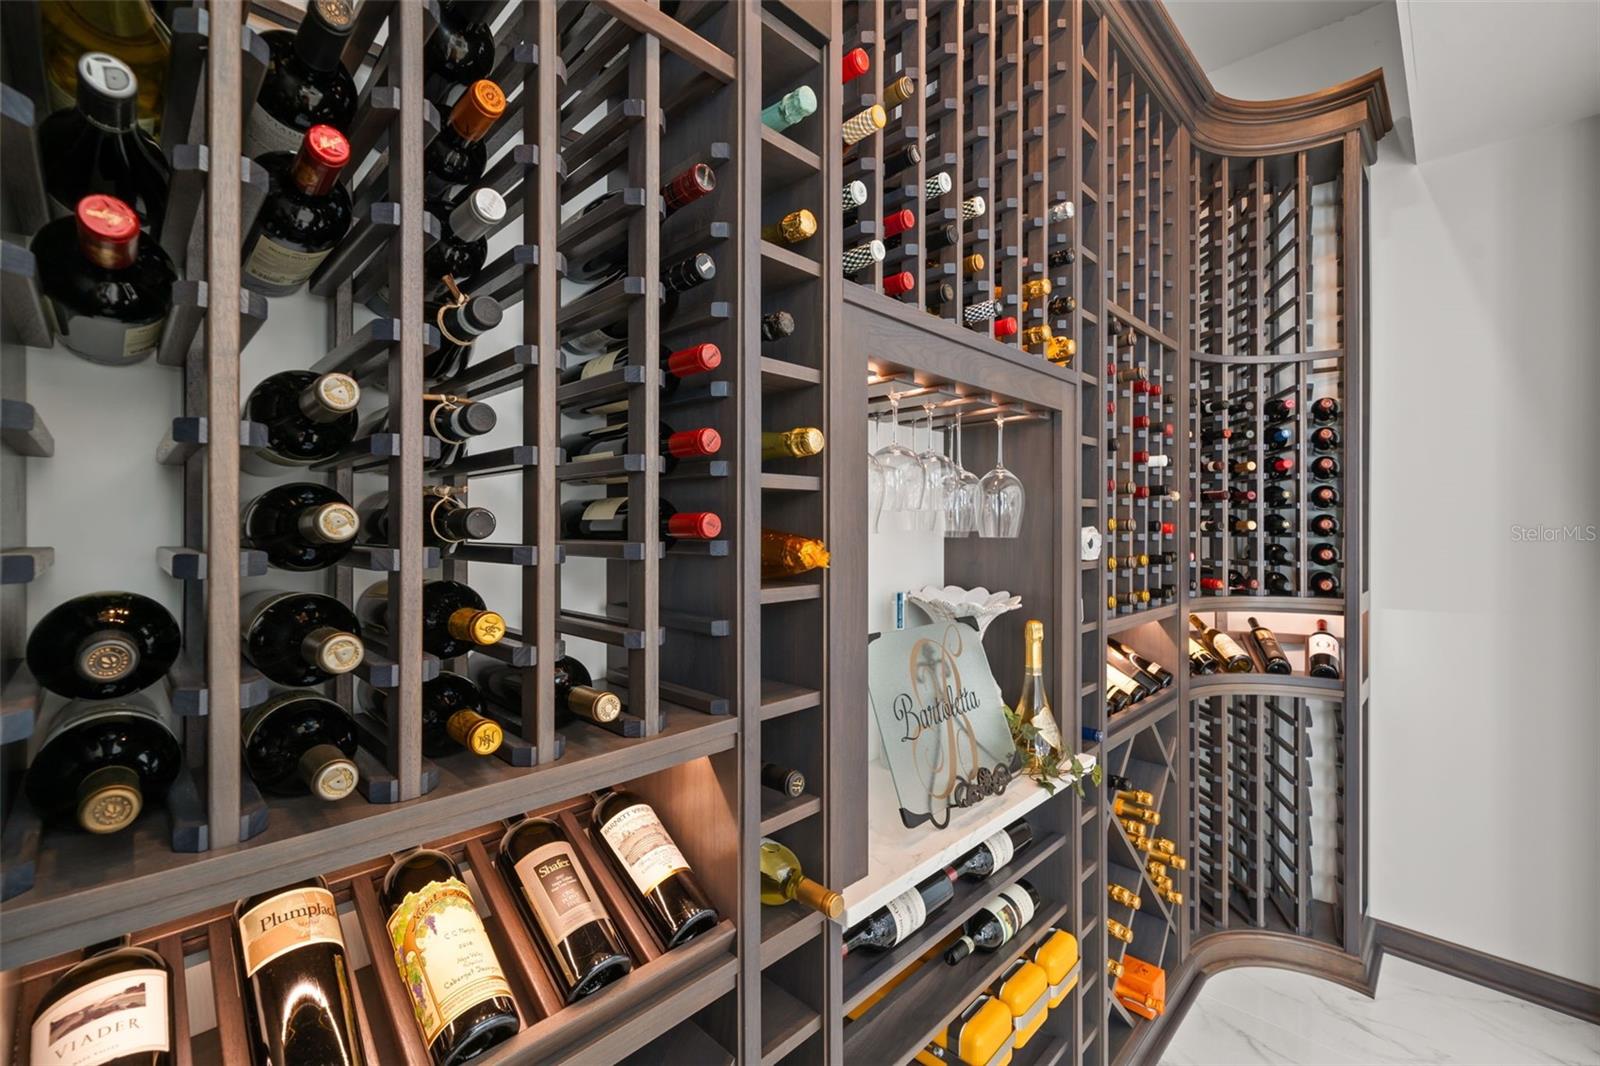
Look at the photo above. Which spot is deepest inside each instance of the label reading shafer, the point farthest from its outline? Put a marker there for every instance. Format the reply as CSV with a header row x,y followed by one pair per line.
x,y
559,892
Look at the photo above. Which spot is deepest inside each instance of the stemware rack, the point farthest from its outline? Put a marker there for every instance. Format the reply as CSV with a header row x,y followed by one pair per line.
x,y
1214,247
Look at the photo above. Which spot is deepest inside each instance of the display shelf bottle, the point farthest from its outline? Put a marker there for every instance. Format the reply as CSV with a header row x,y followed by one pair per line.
x,y
454,160
463,244
676,365
1232,656
559,902
455,618
107,287
1033,701
786,555
131,30
309,417
96,763
459,994
802,442
301,526
1272,657
460,50
103,645
306,84
677,279
783,880
452,714
782,779
993,852
1201,661
902,915
300,742
1144,684
1323,658
461,320
1119,683
299,638
607,519
653,870
97,146
996,923
1155,670
306,213
611,440
447,520
299,983
116,1006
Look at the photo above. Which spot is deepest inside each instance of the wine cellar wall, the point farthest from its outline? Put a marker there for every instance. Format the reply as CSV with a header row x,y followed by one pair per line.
x,y
586,521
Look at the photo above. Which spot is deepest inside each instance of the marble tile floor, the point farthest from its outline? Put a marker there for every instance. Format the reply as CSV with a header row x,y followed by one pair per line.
x,y
1249,1016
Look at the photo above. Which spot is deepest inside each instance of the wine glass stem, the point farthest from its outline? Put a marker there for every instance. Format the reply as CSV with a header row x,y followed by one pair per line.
x,y
999,442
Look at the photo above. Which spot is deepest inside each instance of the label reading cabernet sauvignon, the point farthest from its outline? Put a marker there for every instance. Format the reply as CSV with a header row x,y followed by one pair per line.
x,y
290,920
639,839
444,954
124,1014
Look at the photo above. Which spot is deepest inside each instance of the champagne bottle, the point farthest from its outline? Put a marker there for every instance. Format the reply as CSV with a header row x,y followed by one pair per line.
x,y
299,638
1117,931
1033,702
299,742
1124,896
453,716
993,853
652,869
103,645
903,915
94,763
559,902
1272,657
789,554
792,228
447,963
1227,649
116,1006
784,881
801,442
1323,652
996,923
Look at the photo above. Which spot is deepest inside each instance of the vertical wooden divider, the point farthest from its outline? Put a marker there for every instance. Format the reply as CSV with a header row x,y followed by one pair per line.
x,y
1352,429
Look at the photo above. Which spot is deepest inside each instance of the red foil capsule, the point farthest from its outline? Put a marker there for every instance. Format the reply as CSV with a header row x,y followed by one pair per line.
x,y
898,222
856,63
1005,327
694,525
899,284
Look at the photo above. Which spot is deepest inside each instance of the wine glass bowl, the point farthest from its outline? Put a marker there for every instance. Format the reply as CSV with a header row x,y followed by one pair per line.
x,y
960,494
875,492
1001,498
938,470
905,479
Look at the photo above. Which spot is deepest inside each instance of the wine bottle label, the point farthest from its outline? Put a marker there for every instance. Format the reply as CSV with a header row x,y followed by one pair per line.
x,y
1001,847
908,911
1045,723
606,509
640,841
1322,644
120,1016
286,922
600,364
559,891
105,340
444,955
1014,911
1226,646
277,270
263,134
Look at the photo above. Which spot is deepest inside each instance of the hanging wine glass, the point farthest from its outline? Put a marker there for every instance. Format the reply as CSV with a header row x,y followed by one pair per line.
x,y
960,494
1001,498
875,487
937,468
905,481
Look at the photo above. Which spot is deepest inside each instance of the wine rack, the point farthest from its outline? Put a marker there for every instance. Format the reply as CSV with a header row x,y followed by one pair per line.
x,y
1100,251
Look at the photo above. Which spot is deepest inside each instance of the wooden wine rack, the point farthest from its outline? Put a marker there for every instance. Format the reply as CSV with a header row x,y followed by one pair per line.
x,y
1216,244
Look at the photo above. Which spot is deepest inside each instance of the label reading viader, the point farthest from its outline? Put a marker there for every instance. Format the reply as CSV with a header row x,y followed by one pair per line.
x,y
124,1015
444,954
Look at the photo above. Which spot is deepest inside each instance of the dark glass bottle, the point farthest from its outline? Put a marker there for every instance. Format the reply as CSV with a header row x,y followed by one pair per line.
x,y
612,440
452,716
1323,554
440,942
298,978
116,1007
1323,496
460,324
675,281
1273,661
651,867
1323,653
455,619
576,694
301,526
993,852
1325,409
1279,583
309,417
463,244
103,645
996,923
450,420
1227,649
131,30
608,264
97,762
1147,685
299,638
675,366
1201,661
299,742
446,520
454,160
306,84
108,289
782,779
1324,468
98,147
777,325
607,519
306,213
903,915
1324,584
461,49
558,901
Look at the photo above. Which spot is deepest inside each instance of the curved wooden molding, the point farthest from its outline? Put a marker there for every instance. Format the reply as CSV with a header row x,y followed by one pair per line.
x,y
1227,126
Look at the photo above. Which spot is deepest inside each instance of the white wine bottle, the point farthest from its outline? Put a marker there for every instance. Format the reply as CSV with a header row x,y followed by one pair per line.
x,y
1033,702
783,881
1234,658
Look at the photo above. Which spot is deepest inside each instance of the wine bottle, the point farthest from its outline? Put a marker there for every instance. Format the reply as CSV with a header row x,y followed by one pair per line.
x,y
103,645
97,146
607,519
460,50
1161,674
675,366
299,638
305,215
455,158
309,417
993,852
452,713
1144,684
1033,702
463,244
301,1007
107,289
855,64
559,902
676,280
96,762
1117,698
790,555
306,84
447,520
789,109
1201,661
611,440
996,923
902,915
782,779
862,125
784,881
1323,554
792,228
131,30
1227,649
1325,410
1279,583
455,619
447,964
802,442
1272,658
116,1006
576,696
1117,931
1322,652
301,526
1324,496
1323,525
652,869
777,325
1118,681
1323,583
1324,468
862,256
1125,896
299,742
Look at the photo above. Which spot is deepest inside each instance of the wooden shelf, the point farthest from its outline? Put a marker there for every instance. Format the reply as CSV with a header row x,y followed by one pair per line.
x,y
786,1023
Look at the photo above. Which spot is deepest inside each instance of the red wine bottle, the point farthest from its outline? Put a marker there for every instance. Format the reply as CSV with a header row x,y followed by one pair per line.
x,y
453,716
454,160
447,520
1272,658
97,762
460,324
463,244
1324,583
992,853
309,417
609,263
455,619
607,519
651,867
103,645
305,215
1000,919
675,366
1325,409
306,83
902,915
299,638
116,1006
1325,468
1322,652
301,526
612,440
676,280
1323,554
300,742
1323,496
460,50
1323,525
1325,439
576,693
97,146
1279,583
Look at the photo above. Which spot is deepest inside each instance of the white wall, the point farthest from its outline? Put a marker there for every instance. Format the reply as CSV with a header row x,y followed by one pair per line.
x,y
1484,654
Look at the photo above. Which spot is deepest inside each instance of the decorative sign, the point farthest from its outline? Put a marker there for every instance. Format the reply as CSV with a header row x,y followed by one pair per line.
x,y
942,719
